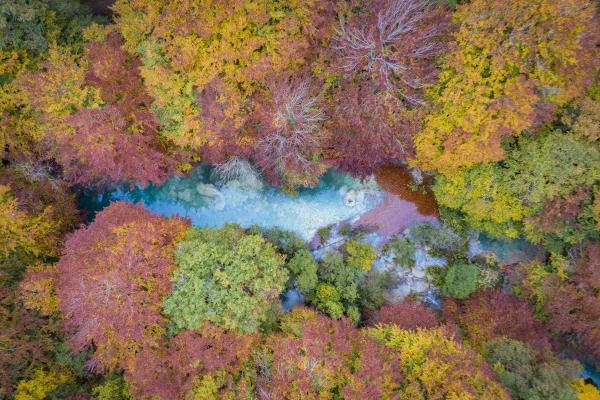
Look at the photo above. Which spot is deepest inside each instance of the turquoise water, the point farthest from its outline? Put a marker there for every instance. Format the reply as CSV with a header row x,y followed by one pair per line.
x,y
506,251
208,200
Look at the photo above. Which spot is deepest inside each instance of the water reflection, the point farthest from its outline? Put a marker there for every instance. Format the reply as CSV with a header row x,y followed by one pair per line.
x,y
402,206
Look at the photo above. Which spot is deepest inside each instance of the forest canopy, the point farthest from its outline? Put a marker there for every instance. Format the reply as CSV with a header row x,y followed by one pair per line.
x,y
488,109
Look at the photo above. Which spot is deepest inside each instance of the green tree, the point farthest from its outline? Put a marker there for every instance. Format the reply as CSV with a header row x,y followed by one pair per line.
x,y
303,269
460,280
227,277
517,367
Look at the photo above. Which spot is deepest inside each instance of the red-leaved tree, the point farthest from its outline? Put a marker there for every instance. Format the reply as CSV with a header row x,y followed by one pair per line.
x,y
119,141
405,314
113,276
491,314
320,356
574,307
169,371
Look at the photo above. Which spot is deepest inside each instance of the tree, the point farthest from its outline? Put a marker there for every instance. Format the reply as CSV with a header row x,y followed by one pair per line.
x,y
31,26
368,131
407,315
359,255
171,370
492,314
483,195
586,391
550,165
573,306
119,141
289,142
460,280
511,64
303,270
517,367
338,289
187,47
316,357
394,44
226,277
435,366
22,232
124,260
41,385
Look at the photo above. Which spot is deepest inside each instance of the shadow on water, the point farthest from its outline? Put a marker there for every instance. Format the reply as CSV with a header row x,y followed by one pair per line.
x,y
402,206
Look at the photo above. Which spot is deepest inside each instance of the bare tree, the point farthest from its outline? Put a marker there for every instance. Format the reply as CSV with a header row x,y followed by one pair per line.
x,y
290,123
397,43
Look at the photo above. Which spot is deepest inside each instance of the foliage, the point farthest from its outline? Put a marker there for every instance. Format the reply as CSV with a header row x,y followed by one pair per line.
x,y
460,280
191,48
38,289
303,270
170,371
22,232
435,366
289,136
519,370
382,57
550,165
511,64
227,277
320,357
31,26
586,391
407,315
117,142
484,196
338,289
394,45
285,242
403,251
113,388
375,286
41,384
359,255
124,259
492,314
573,303
437,237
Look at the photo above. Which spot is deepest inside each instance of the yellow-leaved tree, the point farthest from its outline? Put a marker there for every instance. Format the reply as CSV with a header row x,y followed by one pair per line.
x,y
511,64
203,59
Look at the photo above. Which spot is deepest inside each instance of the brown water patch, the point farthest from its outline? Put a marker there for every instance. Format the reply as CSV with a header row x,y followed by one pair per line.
x,y
401,206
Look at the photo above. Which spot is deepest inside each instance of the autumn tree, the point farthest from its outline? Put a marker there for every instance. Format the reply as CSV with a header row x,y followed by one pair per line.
x,y
124,260
406,315
492,314
188,46
511,64
227,277
484,197
394,45
179,365
573,305
435,366
316,357
289,135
